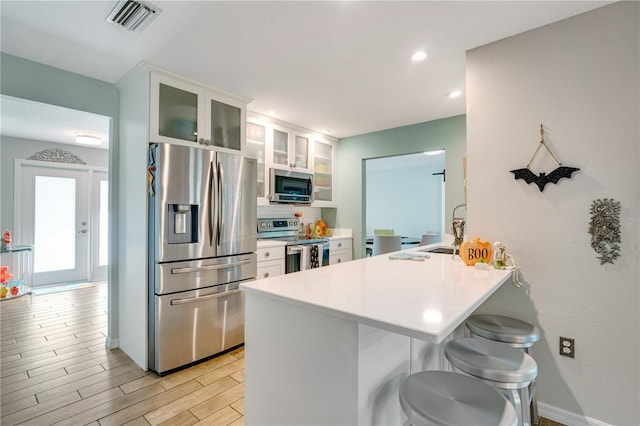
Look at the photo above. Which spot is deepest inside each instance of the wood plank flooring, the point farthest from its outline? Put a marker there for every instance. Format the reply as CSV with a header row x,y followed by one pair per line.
x,y
55,370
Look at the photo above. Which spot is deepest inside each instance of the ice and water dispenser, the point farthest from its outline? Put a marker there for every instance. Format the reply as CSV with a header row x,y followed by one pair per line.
x,y
183,223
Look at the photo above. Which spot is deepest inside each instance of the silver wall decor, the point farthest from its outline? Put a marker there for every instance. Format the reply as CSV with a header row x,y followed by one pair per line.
x,y
604,228
57,156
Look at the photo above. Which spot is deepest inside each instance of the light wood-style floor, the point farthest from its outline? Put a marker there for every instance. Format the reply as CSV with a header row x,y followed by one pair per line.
x,y
55,370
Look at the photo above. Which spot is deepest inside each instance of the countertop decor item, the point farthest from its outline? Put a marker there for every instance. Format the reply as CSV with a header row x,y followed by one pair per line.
x,y
543,179
604,228
476,251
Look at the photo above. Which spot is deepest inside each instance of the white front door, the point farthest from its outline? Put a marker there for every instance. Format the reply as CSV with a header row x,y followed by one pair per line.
x,y
55,215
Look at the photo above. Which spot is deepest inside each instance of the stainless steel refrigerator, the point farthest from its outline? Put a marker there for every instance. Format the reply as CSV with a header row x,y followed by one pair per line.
x,y
202,244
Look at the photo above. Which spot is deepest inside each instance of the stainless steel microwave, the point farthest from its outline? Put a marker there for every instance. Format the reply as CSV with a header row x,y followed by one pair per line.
x,y
290,187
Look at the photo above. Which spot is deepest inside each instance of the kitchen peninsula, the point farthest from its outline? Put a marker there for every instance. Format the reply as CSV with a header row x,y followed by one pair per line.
x,y
331,345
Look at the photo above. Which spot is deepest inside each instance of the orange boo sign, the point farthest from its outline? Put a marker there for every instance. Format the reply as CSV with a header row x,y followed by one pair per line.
x,y
475,251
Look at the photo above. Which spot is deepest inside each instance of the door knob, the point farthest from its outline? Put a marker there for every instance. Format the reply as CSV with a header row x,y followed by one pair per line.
x,y
82,231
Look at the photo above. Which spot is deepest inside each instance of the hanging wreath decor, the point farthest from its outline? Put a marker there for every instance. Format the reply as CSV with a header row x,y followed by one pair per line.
x,y
604,228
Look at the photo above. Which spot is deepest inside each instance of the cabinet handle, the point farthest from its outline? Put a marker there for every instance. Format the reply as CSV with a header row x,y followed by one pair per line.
x,y
339,260
266,275
201,141
339,244
266,254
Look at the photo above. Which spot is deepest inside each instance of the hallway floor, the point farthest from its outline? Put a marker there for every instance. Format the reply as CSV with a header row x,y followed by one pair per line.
x,y
55,370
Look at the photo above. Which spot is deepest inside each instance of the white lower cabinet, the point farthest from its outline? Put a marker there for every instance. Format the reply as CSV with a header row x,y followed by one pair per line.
x,y
340,250
270,262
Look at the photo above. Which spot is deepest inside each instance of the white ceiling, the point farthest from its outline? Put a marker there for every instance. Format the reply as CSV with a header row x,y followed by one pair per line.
x,y
341,66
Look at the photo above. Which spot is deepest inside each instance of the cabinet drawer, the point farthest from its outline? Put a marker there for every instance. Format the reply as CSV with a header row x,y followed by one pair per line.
x,y
270,269
270,253
341,244
340,256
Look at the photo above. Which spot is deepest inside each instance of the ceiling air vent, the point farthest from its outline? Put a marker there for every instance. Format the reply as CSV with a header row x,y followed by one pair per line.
x,y
133,15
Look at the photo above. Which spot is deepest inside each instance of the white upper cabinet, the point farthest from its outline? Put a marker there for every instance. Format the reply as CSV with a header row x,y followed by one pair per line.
x,y
280,145
257,148
185,112
291,149
324,172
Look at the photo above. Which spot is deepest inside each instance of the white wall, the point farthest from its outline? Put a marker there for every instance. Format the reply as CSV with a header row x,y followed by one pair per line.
x,y
407,200
580,78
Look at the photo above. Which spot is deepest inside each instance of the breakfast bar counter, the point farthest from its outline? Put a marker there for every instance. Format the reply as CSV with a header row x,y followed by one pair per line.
x,y
331,345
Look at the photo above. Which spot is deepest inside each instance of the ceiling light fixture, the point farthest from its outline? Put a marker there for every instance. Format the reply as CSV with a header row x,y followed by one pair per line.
x,y
88,140
419,56
133,15
436,152
272,113
455,94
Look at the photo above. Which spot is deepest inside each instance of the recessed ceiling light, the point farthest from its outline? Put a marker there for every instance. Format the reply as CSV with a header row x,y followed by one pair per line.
x,y
455,94
272,113
88,140
419,56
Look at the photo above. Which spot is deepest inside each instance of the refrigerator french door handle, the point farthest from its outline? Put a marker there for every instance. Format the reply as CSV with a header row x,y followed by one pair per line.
x,y
220,179
210,267
201,298
209,212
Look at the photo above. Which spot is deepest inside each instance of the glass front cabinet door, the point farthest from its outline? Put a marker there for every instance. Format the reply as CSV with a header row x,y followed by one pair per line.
x,y
256,148
186,113
224,127
324,172
177,110
290,150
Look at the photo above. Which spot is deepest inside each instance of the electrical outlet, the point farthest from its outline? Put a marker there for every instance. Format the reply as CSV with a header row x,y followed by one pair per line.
x,y
567,347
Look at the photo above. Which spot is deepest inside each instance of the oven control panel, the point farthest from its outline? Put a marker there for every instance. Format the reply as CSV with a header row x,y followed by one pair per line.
x,y
277,225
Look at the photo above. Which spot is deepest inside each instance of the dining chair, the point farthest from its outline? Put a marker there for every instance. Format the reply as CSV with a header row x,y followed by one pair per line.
x,y
386,244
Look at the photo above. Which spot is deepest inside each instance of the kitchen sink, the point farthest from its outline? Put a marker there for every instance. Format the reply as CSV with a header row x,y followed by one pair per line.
x,y
445,250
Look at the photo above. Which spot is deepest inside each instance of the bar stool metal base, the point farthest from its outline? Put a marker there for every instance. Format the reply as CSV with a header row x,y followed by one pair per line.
x,y
498,365
447,398
514,332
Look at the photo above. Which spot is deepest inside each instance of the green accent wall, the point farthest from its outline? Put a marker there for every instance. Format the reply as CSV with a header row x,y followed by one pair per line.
x,y
448,133
22,78
26,79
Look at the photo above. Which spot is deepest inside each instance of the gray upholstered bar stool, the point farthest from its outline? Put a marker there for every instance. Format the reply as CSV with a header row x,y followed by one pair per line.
x,y
498,365
447,398
515,333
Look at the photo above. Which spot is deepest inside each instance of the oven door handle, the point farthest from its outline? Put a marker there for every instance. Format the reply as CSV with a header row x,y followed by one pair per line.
x,y
210,267
294,249
201,298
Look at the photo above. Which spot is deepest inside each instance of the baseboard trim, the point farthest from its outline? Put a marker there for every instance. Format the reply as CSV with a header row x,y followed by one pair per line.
x,y
112,343
567,417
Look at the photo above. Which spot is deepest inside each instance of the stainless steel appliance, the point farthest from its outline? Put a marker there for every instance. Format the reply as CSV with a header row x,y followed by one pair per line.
x,y
298,248
202,244
290,187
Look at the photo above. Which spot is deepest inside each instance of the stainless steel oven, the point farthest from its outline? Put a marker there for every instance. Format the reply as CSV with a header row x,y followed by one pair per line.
x,y
301,253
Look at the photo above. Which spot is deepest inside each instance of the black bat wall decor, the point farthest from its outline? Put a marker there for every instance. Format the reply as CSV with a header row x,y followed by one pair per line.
x,y
542,179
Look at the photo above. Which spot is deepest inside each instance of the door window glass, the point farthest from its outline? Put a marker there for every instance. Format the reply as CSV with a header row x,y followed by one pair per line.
x,y
55,224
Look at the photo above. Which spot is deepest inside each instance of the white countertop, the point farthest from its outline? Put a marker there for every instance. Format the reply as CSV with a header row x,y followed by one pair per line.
x,y
423,299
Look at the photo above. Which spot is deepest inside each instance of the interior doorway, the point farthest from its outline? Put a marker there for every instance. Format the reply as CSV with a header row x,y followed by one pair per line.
x,y
405,194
